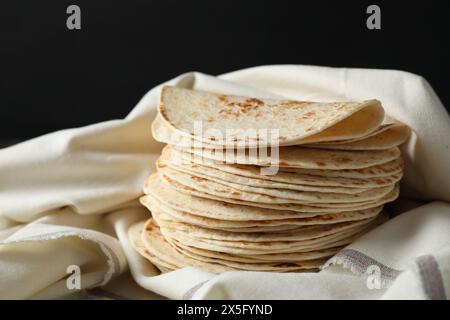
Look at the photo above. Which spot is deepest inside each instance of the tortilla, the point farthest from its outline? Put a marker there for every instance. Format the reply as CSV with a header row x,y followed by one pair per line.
x,y
180,191
135,234
155,243
299,234
265,195
256,258
391,136
301,157
256,185
253,265
269,247
156,206
223,116
383,175
376,172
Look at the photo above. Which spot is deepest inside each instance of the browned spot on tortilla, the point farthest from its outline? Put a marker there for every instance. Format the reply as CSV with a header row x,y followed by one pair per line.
x,y
229,205
197,178
308,115
163,112
292,104
320,163
254,101
309,129
175,183
161,165
248,103
228,112
343,160
243,106
235,193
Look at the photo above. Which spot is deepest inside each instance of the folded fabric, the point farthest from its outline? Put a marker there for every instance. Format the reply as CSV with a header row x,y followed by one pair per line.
x,y
68,198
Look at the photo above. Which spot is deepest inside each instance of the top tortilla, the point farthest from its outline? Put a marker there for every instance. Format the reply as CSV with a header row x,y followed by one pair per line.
x,y
226,118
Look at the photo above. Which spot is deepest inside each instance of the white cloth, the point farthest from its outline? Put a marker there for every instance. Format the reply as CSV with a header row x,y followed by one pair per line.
x,y
68,198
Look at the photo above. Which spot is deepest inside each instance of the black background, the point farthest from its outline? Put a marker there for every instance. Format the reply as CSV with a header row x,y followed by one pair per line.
x,y
53,78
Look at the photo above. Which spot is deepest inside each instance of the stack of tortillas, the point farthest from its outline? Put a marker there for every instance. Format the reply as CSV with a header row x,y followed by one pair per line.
x,y
265,185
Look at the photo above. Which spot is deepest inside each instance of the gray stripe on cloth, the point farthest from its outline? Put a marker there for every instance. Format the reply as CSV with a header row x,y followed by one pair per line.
x,y
431,277
190,293
359,263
